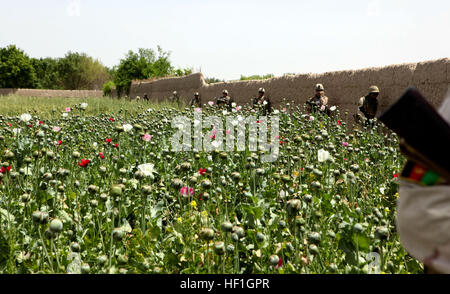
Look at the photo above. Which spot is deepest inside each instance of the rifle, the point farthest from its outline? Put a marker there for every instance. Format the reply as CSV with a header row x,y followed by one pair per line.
x,y
424,134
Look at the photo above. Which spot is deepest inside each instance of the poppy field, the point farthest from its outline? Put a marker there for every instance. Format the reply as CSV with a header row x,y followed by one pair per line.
x,y
97,192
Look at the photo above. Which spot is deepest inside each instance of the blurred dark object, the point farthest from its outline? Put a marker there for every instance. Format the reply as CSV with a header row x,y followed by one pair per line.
x,y
424,134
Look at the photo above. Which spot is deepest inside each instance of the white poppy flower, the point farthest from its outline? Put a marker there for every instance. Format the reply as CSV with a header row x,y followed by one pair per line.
x,y
333,108
323,155
17,131
276,111
65,114
233,104
26,117
127,127
224,112
83,105
147,169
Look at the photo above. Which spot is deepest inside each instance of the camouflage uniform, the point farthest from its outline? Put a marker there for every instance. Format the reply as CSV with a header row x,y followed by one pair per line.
x,y
225,100
319,100
262,103
145,97
196,101
368,106
175,98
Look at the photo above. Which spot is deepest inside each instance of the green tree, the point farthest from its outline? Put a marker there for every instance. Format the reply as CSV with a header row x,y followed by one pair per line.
x,y
16,69
256,77
78,71
144,64
47,73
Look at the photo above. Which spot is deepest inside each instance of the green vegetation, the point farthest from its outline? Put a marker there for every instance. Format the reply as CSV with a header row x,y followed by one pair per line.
x,y
256,77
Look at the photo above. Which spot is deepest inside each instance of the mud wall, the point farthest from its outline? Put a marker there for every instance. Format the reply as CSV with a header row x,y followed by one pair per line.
x,y
52,93
343,88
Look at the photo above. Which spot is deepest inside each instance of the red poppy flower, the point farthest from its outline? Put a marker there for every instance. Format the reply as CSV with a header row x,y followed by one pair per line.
x,y
108,140
280,263
59,142
281,142
30,125
101,155
116,145
4,170
84,162
258,121
339,122
395,175
202,171
8,124
111,119
41,122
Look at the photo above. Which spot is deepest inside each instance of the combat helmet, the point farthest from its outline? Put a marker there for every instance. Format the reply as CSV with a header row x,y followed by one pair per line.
x,y
225,92
261,90
319,87
374,89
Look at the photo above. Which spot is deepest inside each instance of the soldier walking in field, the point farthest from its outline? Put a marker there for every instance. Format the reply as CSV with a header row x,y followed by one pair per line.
x,y
196,100
262,102
225,100
145,97
318,102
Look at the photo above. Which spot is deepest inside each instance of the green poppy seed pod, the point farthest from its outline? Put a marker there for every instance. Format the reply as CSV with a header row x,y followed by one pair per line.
x,y
358,228
206,234
382,233
293,207
260,171
103,197
93,189
315,185
185,166
119,128
85,268
137,126
176,183
36,216
193,179
76,183
102,169
313,249
122,171
219,248
239,231
146,190
273,260
226,227
93,203
236,176
206,184
122,259
25,197
139,175
260,237
28,160
50,155
286,178
56,225
49,234
116,191
14,175
289,247
314,237
8,154
75,247
36,154
61,188
235,237
76,154
101,260
118,234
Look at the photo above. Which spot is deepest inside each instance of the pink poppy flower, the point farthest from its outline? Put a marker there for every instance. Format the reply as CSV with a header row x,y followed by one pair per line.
x,y
211,103
68,109
345,144
147,137
187,191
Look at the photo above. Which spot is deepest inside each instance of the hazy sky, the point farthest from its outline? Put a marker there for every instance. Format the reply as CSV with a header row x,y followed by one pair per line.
x,y
229,38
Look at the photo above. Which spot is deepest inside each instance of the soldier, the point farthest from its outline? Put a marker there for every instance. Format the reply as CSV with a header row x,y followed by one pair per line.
x,y
368,106
225,100
318,101
423,215
196,100
262,102
145,97
175,98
